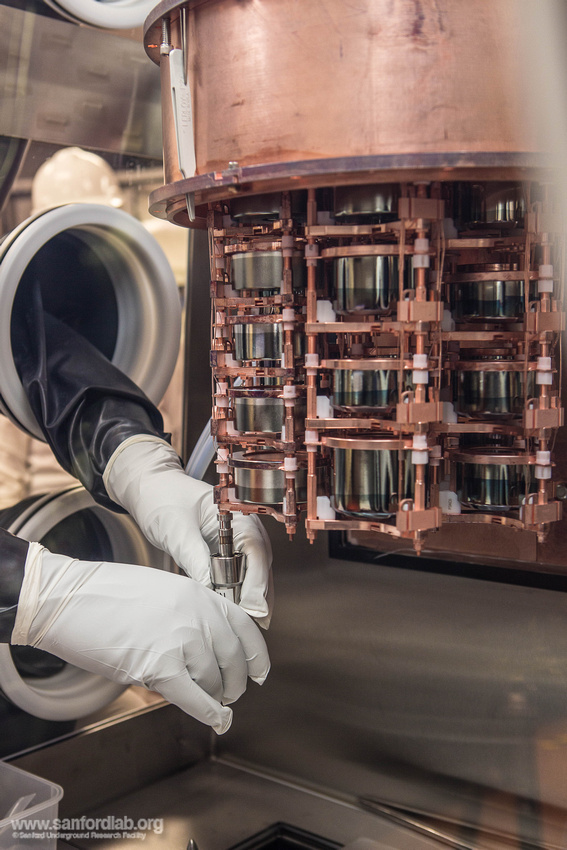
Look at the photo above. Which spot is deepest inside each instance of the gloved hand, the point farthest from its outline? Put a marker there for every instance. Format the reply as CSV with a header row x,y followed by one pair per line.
x,y
141,626
178,515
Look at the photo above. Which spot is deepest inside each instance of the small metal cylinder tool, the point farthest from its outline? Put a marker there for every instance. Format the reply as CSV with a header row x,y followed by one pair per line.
x,y
227,566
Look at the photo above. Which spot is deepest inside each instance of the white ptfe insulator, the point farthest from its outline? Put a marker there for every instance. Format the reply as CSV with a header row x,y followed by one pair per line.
x,y
232,494
290,391
222,387
421,261
420,376
420,361
449,412
230,428
312,361
325,312
545,285
419,441
222,468
419,458
219,263
545,270
230,362
283,361
447,322
290,464
222,455
544,378
324,509
542,472
544,364
287,245
222,401
283,433
449,503
421,246
543,458
311,438
324,410
311,251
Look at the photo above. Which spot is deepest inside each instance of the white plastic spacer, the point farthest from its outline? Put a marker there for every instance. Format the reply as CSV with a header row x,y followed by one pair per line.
x,y
324,409
419,441
230,427
324,509
219,263
290,464
290,391
420,361
545,285
288,314
447,322
545,270
421,261
230,362
449,413
420,376
282,435
222,387
419,458
222,468
544,378
312,361
222,454
283,361
542,472
311,251
435,451
287,245
325,312
311,438
544,364
449,503
222,401
421,246
543,458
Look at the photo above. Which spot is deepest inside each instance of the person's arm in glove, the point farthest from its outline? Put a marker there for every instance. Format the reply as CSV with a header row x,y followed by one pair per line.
x,y
94,417
177,514
141,626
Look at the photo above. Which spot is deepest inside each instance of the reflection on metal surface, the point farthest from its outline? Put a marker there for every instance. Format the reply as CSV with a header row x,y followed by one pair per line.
x,y
449,269
38,101
434,693
366,283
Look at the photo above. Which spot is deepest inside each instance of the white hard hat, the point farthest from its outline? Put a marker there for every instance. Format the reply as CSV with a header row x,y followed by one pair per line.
x,y
73,175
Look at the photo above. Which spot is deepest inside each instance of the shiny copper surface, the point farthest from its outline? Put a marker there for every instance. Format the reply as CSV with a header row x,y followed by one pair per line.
x,y
249,63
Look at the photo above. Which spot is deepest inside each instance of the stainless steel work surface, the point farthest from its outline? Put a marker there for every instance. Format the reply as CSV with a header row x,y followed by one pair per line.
x,y
219,805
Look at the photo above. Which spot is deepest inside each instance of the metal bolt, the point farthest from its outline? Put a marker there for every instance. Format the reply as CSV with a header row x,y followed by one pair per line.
x,y
165,46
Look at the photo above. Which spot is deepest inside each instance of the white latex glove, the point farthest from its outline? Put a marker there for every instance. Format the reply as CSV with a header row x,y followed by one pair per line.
x,y
178,515
141,626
